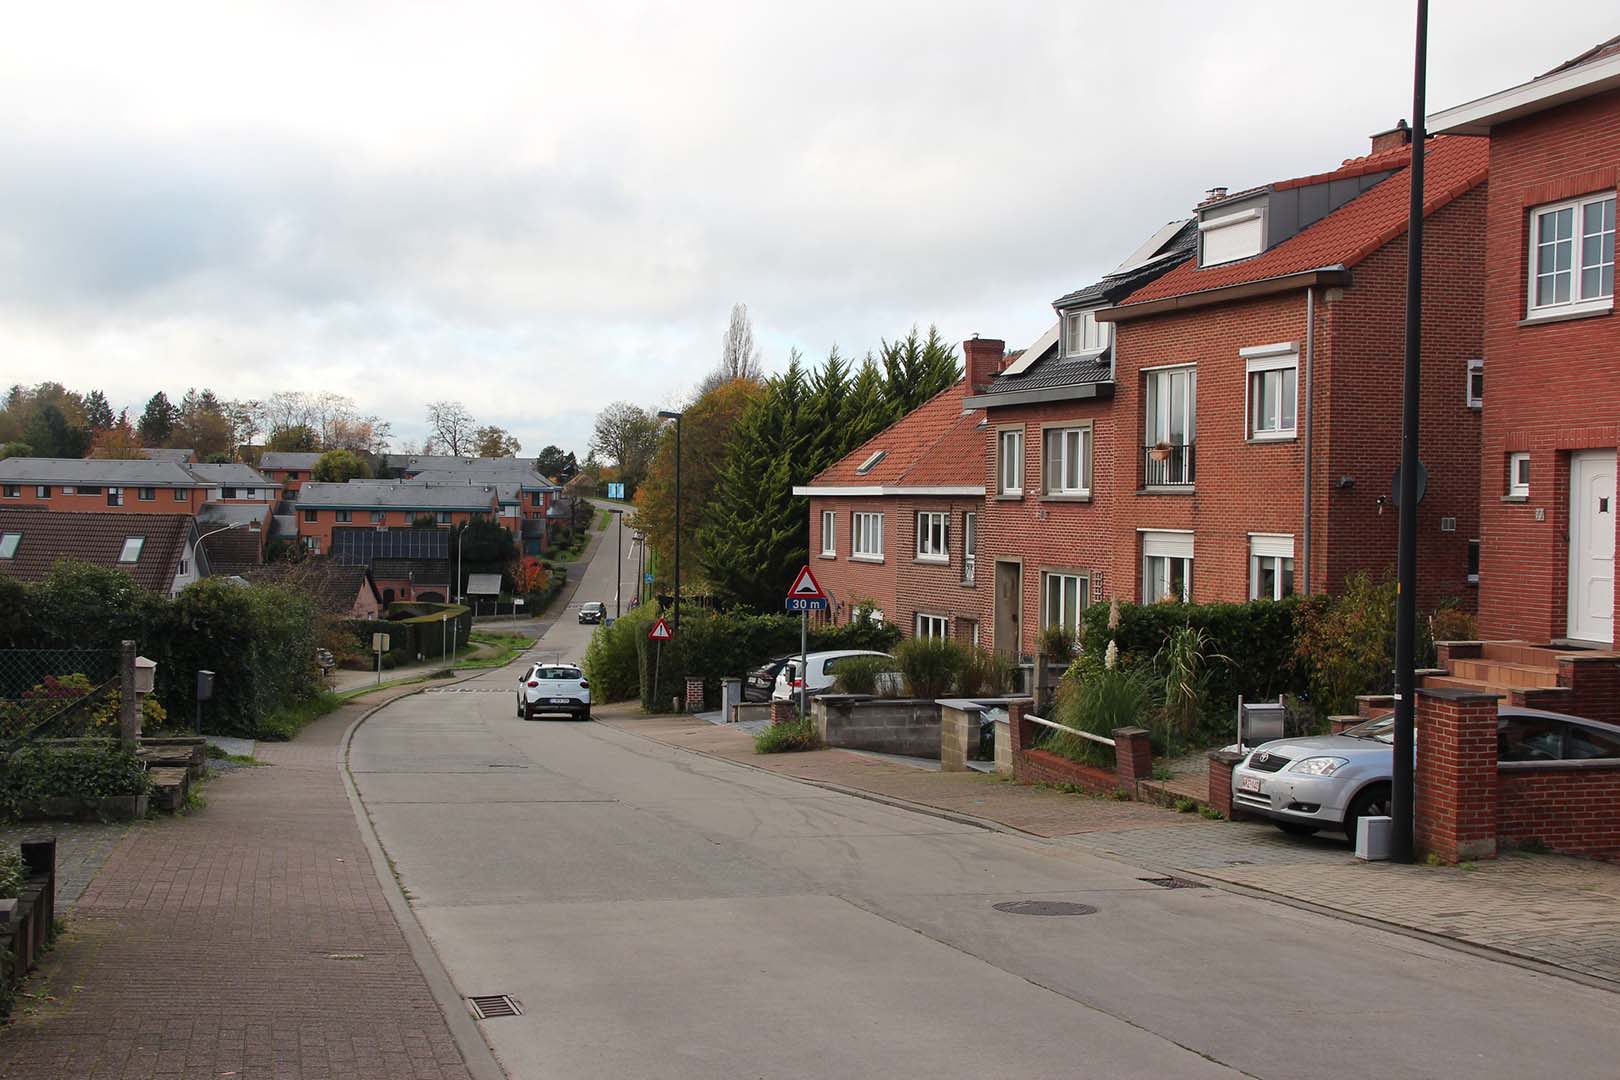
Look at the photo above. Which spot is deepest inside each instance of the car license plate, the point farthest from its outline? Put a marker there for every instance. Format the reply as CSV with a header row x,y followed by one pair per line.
x,y
1249,783
561,701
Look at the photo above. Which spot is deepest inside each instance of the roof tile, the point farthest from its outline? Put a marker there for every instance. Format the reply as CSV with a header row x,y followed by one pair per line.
x,y
937,444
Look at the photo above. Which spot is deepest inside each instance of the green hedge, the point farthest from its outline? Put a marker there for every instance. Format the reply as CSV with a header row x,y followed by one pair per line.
x,y
36,773
612,660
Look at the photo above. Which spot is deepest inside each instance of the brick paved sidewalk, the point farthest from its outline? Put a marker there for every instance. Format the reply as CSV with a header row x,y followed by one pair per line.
x,y
1550,909
249,939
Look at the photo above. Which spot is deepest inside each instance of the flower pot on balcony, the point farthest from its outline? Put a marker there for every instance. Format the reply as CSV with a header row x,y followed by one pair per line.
x,y
1160,452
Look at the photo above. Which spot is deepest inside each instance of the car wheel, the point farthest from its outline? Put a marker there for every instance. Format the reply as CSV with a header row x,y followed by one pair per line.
x,y
1295,828
1374,802
528,712
585,713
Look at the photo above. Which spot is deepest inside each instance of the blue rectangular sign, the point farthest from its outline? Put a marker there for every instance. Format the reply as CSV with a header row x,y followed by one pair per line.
x,y
616,491
808,604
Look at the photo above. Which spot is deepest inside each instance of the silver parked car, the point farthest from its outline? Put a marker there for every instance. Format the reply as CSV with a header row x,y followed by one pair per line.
x,y
1329,782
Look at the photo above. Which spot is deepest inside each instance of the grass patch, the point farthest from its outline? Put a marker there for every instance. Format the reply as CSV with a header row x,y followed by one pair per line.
x,y
289,720
507,647
219,753
787,738
1186,806
1211,813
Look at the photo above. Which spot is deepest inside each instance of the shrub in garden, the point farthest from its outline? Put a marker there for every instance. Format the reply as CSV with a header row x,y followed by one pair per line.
x,y
47,708
986,672
864,674
785,738
12,872
612,662
36,773
1098,701
1452,622
1185,663
1346,644
1056,643
932,666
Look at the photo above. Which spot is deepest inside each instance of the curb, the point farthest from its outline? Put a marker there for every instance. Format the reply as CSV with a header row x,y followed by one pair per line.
x,y
1483,952
476,1053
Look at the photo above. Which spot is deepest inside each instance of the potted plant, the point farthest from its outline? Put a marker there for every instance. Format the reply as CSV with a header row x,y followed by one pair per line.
x,y
1160,451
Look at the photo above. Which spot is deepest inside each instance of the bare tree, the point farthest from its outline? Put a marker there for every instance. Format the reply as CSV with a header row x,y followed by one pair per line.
x,y
627,435
452,427
739,356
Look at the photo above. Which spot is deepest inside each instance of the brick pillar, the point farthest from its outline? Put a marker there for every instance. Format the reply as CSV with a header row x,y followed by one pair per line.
x,y
1221,764
1455,778
1339,724
1020,733
1594,684
694,694
784,712
1371,705
1133,756
1447,651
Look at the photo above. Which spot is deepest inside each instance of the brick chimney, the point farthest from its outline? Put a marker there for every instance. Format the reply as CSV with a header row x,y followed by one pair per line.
x,y
1396,137
1213,195
982,359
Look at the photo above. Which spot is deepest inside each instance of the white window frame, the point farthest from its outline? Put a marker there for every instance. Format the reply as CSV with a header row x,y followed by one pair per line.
x,y
9,543
1518,464
1476,367
933,536
115,496
1158,404
1277,550
1083,335
42,491
442,517
379,517
970,544
1244,243
1578,299
344,517
1161,548
131,551
1259,366
1010,464
829,534
69,489
932,627
1072,457
1069,620
866,536
11,491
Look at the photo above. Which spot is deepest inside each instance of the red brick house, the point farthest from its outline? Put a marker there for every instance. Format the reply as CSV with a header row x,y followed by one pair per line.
x,y
290,469
1257,388
103,485
894,524
383,504
1552,348
1052,452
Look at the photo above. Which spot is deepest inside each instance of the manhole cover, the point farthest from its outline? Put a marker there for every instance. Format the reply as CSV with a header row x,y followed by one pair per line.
x,y
1173,883
1045,907
490,1006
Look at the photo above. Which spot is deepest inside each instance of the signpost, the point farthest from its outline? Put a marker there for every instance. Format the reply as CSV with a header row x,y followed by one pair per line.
x,y
659,634
804,596
379,645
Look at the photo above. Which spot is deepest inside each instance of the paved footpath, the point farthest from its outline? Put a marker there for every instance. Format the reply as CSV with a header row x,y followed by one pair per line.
x,y
251,939
1547,909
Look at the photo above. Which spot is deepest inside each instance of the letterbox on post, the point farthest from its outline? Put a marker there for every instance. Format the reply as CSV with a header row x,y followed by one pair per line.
x,y
205,691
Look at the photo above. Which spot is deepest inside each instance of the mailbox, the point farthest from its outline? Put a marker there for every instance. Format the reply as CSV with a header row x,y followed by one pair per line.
x,y
205,685
145,672
1261,722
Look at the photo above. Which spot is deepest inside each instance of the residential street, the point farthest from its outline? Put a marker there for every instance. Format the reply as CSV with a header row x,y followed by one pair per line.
x,y
660,913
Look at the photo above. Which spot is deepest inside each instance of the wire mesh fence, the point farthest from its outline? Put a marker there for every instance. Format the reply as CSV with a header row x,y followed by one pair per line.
x,y
57,693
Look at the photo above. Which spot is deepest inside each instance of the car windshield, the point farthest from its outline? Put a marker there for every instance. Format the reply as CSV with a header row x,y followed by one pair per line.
x,y
1382,729
556,673
595,605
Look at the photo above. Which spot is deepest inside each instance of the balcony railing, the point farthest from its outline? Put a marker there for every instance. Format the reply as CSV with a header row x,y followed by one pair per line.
x,y
1171,466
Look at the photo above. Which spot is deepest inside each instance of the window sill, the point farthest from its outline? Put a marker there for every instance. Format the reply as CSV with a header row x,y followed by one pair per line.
x,y
1516,498
932,560
1066,497
968,584
866,558
1179,489
1010,496
824,555
1567,316
1267,437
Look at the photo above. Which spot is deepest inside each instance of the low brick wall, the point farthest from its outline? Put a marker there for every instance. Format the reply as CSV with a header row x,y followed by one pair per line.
x,y
1133,758
25,922
1221,764
1042,767
1574,808
905,726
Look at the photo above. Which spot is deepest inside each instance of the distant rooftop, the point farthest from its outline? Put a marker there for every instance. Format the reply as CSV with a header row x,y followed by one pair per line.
x,y
113,472
395,495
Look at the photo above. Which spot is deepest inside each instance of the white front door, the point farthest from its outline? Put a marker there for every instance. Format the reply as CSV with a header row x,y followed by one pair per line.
x,y
1591,545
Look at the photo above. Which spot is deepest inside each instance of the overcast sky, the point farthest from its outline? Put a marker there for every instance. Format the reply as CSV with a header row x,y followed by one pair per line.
x,y
539,208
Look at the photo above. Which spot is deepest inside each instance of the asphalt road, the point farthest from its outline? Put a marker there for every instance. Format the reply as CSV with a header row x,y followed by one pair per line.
x,y
662,914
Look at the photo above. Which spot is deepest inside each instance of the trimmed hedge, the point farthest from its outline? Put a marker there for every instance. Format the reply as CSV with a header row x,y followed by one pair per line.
x,y
36,773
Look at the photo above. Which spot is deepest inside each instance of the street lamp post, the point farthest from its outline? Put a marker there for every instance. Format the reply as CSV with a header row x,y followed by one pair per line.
x,y
675,416
196,549
618,572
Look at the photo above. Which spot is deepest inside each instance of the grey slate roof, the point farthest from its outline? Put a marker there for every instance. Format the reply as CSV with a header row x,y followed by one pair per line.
x,y
394,495
1050,371
1119,285
287,459
489,470
51,535
232,476
224,513
175,454
111,472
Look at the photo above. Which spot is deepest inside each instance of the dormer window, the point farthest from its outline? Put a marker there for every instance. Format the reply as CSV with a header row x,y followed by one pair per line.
x,y
8,545
1083,335
1228,235
132,549
871,462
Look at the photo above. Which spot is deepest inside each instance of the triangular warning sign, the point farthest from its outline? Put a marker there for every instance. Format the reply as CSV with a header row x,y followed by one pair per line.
x,y
806,587
660,631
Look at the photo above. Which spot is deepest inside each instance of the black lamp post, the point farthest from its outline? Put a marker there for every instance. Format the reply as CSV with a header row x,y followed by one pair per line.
x,y
618,573
668,414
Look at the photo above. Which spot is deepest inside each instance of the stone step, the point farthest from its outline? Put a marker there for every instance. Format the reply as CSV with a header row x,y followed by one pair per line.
x,y
1521,652
169,787
1505,672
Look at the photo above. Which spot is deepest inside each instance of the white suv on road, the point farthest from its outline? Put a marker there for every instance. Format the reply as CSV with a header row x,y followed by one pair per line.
x,y
553,688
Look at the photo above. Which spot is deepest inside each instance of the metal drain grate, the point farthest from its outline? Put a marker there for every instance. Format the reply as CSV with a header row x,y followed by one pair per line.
x,y
491,1006
1173,883
1044,907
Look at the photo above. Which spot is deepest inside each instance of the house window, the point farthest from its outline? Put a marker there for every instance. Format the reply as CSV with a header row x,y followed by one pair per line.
x,y
228,493
1232,236
866,532
12,491
1171,403
1167,566
1083,335
115,496
8,545
1064,597
1572,256
1476,382
377,517
933,537
1271,566
829,534
534,498
42,491
180,495
345,515
291,475
1273,392
147,494
312,544
1010,463
87,489
309,515
933,627
1066,461
183,565
68,489
1519,475
1473,562
870,463
132,549
442,517
970,543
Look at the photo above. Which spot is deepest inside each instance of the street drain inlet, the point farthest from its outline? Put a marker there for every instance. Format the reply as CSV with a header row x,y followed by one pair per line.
x,y
1173,883
490,1006
1045,907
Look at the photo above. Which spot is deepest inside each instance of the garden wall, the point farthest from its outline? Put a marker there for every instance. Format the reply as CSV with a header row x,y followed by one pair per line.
x,y
885,726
